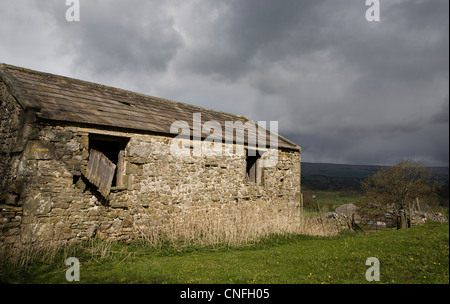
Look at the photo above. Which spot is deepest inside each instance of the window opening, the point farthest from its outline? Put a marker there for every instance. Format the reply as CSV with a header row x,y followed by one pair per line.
x,y
252,168
106,157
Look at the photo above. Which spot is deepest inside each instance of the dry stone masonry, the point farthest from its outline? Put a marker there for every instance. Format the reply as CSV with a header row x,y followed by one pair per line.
x,y
44,162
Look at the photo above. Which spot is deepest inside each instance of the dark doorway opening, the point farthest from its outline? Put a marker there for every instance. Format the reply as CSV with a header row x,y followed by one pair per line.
x,y
252,168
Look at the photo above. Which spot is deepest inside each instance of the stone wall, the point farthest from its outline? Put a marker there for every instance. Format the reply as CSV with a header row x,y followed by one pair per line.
x,y
12,127
55,202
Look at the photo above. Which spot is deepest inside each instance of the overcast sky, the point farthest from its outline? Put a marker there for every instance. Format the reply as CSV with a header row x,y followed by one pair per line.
x,y
346,90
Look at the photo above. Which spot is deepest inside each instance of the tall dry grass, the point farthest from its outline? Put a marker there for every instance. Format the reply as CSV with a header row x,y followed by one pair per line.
x,y
19,255
23,254
232,224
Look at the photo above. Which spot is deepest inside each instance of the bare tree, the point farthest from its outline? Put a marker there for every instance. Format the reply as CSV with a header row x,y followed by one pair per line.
x,y
394,188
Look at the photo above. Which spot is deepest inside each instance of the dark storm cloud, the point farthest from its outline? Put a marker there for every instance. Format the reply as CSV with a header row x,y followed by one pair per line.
x,y
247,32
442,116
114,36
344,89
254,34
390,78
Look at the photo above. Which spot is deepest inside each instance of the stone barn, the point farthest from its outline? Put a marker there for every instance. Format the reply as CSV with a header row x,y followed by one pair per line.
x,y
74,156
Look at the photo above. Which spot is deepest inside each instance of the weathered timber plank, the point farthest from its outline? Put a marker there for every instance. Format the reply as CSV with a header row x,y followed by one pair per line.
x,y
100,171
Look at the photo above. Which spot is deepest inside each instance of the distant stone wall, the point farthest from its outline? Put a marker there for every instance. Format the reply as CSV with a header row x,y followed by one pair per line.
x,y
55,202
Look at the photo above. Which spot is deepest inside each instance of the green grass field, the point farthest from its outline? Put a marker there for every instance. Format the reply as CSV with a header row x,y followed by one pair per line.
x,y
416,255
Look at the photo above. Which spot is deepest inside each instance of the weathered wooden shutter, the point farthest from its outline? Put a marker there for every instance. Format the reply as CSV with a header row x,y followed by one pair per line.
x,y
100,171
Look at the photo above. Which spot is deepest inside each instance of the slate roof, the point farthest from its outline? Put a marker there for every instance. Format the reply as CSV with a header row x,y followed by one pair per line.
x,y
66,99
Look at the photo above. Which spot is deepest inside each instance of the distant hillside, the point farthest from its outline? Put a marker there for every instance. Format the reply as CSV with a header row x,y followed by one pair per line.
x,y
322,176
338,170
